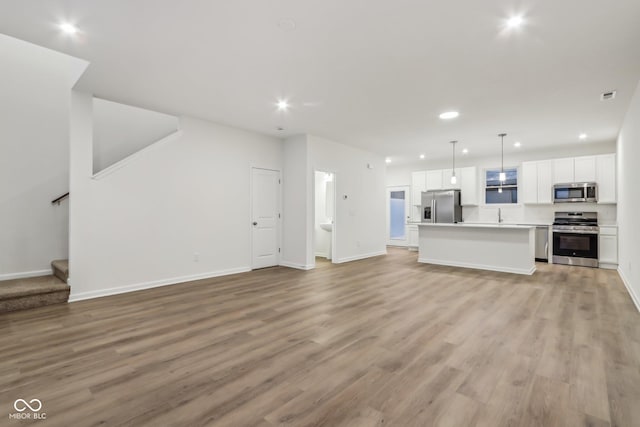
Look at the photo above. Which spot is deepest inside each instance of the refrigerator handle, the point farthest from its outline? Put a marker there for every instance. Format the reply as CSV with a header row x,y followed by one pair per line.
x,y
433,210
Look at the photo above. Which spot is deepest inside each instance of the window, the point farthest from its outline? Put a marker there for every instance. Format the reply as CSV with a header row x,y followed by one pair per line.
x,y
509,193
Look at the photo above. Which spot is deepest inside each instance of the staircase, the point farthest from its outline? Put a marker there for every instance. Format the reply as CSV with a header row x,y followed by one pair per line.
x,y
22,294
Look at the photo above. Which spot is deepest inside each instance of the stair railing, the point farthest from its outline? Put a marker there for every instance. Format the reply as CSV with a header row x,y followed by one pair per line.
x,y
60,199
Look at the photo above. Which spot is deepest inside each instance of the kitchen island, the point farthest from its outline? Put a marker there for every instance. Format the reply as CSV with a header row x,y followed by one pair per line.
x,y
497,247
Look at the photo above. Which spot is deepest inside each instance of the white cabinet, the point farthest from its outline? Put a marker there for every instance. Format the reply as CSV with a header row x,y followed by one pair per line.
x,y
584,169
529,182
418,185
434,180
446,179
537,182
608,247
413,237
563,171
606,178
469,186
545,181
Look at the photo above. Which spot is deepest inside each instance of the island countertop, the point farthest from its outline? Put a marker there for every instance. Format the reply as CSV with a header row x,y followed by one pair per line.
x,y
475,225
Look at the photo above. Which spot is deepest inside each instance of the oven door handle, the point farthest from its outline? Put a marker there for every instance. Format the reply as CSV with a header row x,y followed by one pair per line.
x,y
575,231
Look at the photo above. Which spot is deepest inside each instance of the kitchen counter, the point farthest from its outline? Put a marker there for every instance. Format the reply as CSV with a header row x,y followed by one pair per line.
x,y
508,248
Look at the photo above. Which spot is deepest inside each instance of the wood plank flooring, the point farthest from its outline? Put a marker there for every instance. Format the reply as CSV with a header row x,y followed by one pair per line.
x,y
383,341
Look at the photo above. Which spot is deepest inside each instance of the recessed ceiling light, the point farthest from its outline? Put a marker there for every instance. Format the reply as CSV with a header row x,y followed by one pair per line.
x,y
421,156
388,160
283,105
449,115
517,144
515,21
68,28
465,151
583,136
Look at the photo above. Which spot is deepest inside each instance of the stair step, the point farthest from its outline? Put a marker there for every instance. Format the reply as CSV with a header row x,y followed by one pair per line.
x,y
21,294
60,269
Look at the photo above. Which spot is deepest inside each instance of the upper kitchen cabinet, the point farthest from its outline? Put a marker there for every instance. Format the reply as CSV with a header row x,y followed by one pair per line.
x,y
537,182
446,179
434,180
606,178
563,171
418,185
584,169
469,186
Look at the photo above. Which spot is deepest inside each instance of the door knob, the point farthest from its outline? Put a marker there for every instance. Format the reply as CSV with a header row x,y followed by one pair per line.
x,y
255,223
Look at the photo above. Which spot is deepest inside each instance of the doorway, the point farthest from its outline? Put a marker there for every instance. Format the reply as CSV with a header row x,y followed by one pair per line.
x,y
324,224
398,213
265,218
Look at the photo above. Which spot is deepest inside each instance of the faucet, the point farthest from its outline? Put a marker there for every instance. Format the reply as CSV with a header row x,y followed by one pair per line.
x,y
499,215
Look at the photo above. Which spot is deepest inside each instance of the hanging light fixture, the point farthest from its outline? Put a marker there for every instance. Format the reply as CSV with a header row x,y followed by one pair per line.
x,y
453,173
503,176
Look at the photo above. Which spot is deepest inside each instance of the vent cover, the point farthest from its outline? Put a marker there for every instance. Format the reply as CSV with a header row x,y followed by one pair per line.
x,y
608,95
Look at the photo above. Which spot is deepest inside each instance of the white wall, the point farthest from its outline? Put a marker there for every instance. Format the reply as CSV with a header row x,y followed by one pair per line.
x,y
519,213
141,225
35,87
297,197
629,199
360,223
120,130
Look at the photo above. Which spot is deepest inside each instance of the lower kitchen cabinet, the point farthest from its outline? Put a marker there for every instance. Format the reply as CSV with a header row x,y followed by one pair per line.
x,y
413,237
608,247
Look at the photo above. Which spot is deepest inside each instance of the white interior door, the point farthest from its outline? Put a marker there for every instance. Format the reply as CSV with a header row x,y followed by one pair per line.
x,y
398,213
265,221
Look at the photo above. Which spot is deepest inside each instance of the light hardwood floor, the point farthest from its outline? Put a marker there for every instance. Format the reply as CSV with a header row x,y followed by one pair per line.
x,y
383,341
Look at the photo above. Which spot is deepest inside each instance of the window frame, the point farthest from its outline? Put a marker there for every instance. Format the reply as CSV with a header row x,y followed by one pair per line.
x,y
485,187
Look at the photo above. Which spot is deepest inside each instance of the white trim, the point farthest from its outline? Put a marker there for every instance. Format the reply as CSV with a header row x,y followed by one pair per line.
x,y
25,274
634,297
358,257
478,266
321,254
608,266
122,163
297,266
154,284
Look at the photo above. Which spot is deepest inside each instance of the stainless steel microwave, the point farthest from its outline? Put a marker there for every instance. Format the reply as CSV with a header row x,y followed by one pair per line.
x,y
575,192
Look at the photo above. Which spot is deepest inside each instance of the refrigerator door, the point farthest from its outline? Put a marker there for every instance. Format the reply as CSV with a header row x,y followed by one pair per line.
x,y
428,207
445,208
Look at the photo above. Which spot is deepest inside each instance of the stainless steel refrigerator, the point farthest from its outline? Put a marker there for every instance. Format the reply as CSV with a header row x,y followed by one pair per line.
x,y
441,206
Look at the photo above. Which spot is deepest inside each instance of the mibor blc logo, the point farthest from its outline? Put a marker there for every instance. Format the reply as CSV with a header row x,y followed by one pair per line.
x,y
28,410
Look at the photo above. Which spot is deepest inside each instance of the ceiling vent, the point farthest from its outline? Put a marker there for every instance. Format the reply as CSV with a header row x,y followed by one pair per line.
x,y
608,96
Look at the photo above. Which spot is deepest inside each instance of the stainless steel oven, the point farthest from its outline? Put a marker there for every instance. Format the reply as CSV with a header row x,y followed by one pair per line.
x,y
575,238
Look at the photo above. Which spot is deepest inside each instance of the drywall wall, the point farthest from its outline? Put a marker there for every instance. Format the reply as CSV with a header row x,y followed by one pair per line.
x,y
296,202
360,221
120,130
629,199
178,211
35,88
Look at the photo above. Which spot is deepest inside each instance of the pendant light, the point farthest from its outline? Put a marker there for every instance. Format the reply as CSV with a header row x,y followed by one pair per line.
x,y
503,176
453,173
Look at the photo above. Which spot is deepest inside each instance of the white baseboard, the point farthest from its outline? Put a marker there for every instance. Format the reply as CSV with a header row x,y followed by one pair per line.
x,y
357,257
297,266
607,266
25,274
321,254
634,297
527,272
153,284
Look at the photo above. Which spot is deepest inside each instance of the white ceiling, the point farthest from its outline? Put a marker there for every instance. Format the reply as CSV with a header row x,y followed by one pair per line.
x,y
370,73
